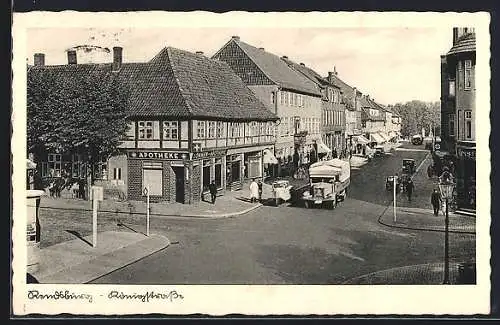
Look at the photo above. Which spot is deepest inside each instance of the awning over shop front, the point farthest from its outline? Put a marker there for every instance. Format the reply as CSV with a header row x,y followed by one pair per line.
x,y
323,148
362,139
375,137
269,157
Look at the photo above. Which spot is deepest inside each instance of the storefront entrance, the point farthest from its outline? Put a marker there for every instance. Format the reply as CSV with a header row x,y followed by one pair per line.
x,y
179,184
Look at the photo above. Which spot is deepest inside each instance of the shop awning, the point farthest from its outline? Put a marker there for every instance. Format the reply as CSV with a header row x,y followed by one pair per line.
x,y
323,148
30,164
362,139
269,157
375,137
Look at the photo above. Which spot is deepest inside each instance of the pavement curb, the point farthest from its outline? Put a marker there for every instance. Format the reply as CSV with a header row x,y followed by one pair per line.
x,y
101,265
159,215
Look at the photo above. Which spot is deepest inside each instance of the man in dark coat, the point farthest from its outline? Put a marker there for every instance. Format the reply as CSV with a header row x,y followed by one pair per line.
x,y
436,201
213,191
259,183
409,189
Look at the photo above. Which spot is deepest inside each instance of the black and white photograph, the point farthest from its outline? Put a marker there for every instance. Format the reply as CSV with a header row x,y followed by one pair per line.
x,y
327,155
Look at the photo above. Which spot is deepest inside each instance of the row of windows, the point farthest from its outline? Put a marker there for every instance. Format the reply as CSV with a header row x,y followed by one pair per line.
x,y
170,130
333,95
333,118
292,99
289,124
212,129
467,126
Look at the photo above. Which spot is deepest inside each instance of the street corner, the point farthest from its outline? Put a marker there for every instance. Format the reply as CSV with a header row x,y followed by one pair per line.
x,y
77,261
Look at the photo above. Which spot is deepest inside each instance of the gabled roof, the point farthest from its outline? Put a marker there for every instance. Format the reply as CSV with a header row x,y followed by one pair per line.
x,y
179,84
309,73
275,69
366,105
347,91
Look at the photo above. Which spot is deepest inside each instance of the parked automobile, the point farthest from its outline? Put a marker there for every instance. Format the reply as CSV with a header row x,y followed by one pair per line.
x,y
379,151
417,139
389,183
281,191
428,143
408,166
329,181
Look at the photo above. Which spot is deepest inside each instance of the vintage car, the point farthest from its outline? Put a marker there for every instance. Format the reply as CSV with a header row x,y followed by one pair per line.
x,y
379,151
408,166
417,139
329,181
389,183
281,191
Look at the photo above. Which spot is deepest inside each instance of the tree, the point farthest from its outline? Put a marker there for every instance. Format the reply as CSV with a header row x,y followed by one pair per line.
x,y
76,111
416,115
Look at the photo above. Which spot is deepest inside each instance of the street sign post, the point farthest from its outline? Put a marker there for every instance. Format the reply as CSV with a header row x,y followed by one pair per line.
x,y
97,193
146,192
394,194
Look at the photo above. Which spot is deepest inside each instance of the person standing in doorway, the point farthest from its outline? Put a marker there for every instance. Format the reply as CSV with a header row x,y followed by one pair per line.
x,y
409,189
254,191
436,201
213,191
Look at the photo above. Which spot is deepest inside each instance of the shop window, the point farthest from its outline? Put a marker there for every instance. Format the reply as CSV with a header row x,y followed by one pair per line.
x,y
117,173
152,178
170,130
54,165
200,129
467,74
145,129
206,174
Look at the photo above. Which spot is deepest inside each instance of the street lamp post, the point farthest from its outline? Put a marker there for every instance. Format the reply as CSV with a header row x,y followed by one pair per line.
x,y
446,188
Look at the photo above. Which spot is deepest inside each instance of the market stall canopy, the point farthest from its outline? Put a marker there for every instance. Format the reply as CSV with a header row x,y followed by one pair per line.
x,y
323,148
30,164
376,138
269,157
362,139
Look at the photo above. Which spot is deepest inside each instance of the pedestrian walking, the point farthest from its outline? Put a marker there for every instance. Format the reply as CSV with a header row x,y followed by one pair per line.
x,y
436,201
254,191
259,183
409,189
213,191
430,171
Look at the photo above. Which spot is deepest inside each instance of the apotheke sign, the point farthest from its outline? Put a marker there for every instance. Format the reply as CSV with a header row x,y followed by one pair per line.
x,y
158,155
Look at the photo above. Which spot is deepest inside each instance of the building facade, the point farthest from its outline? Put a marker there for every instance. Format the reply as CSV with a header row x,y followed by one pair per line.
x,y
373,121
295,99
192,121
333,111
458,132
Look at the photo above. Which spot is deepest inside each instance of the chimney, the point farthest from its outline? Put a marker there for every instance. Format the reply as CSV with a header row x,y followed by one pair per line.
x,y
261,48
235,37
39,59
71,57
302,64
199,52
284,57
117,58
455,35
334,70
330,76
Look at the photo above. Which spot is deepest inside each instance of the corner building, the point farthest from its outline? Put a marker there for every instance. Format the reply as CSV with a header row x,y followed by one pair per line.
x,y
192,120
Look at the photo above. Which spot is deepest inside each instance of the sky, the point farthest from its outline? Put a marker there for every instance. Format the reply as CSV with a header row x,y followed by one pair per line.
x,y
390,64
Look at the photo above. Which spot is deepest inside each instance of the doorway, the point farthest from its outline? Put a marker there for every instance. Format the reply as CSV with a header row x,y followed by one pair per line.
x,y
179,184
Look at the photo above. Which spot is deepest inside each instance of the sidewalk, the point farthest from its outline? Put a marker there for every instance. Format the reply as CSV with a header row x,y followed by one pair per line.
x,y
76,261
230,204
424,219
430,274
